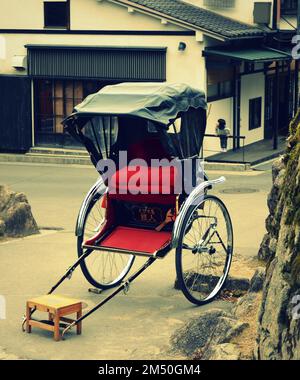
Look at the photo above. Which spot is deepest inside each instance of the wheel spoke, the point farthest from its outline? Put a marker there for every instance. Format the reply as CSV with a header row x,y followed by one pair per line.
x,y
203,265
102,269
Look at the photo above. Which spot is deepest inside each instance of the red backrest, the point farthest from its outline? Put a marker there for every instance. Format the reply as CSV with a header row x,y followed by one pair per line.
x,y
147,150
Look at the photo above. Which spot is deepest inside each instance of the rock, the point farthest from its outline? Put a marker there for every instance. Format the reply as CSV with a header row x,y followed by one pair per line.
x,y
272,247
277,167
211,328
279,331
268,245
233,284
236,329
2,227
273,199
15,212
197,332
224,351
266,251
257,281
244,305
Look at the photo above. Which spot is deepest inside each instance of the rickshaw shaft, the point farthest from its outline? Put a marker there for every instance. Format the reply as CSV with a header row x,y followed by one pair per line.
x,y
71,270
123,286
62,279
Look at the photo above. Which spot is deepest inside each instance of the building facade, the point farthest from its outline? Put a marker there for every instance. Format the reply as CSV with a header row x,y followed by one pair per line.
x,y
54,53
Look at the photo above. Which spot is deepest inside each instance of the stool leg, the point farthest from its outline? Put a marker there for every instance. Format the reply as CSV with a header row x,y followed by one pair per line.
x,y
28,326
56,328
79,325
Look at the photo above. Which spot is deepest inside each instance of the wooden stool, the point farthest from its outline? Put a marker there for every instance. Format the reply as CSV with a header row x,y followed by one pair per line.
x,y
57,308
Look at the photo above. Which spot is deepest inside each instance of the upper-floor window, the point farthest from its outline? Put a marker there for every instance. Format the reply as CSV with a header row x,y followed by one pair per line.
x,y
289,7
56,14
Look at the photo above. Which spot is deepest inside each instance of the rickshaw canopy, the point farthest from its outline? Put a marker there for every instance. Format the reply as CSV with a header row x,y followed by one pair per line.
x,y
120,116
158,102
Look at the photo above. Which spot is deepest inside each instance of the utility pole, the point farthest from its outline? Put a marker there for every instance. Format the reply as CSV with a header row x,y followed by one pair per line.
x,y
298,18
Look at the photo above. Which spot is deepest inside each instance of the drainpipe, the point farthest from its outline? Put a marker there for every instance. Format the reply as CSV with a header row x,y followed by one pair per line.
x,y
236,108
238,111
276,109
275,15
234,132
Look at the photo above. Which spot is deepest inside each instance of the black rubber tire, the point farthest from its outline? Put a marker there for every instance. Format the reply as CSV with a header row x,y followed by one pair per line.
x,y
178,258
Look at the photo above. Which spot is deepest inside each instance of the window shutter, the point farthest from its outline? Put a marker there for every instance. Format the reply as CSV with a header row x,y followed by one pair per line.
x,y
220,3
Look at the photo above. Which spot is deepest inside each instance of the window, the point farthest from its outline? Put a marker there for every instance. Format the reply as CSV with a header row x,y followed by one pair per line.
x,y
255,113
289,7
56,99
220,80
262,12
220,90
56,14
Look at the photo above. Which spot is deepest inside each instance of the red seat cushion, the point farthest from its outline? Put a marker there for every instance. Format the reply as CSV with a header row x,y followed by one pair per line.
x,y
136,239
144,180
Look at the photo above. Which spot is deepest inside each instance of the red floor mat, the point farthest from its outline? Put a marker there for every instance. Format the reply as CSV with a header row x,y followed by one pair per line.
x,y
136,239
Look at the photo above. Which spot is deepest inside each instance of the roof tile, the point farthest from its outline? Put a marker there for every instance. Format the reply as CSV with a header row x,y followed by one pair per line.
x,y
202,18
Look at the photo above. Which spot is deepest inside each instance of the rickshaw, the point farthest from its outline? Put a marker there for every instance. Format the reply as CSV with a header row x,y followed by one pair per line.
x,y
156,200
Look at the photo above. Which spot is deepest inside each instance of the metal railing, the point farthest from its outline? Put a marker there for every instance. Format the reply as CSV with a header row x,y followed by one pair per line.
x,y
232,155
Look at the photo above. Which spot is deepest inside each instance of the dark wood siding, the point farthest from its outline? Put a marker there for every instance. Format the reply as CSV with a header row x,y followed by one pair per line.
x,y
101,63
15,114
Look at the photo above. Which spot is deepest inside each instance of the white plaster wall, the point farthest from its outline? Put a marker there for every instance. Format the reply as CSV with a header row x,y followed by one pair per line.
x,y
93,15
21,14
252,86
84,14
219,109
187,66
288,23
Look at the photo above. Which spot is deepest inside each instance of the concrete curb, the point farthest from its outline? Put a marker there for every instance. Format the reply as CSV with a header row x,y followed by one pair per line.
x,y
71,159
218,166
59,152
269,158
45,159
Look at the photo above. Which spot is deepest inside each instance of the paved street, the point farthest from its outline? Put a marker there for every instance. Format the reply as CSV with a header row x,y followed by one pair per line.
x,y
133,326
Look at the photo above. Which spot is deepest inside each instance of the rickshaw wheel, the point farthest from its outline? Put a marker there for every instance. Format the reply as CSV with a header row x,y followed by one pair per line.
x,y
204,251
104,270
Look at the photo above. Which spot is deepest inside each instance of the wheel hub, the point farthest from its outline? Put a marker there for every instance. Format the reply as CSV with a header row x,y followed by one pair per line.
x,y
200,249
